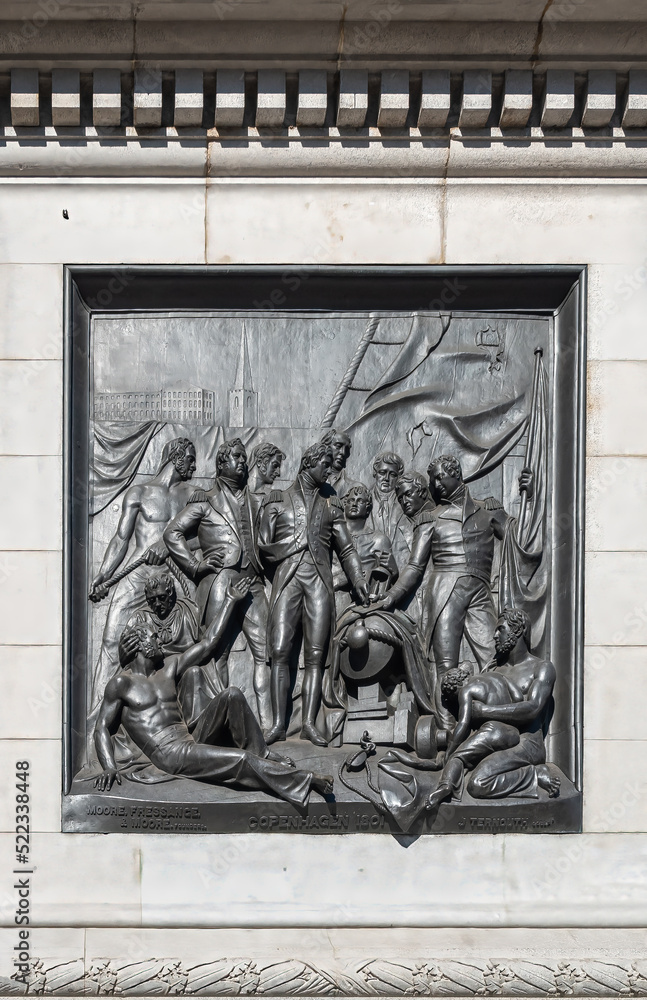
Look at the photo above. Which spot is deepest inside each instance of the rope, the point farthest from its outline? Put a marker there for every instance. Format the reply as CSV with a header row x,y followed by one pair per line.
x,y
375,633
107,585
369,748
102,589
351,372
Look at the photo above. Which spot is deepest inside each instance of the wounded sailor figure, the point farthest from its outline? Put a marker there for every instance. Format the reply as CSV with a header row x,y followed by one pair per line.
x,y
143,698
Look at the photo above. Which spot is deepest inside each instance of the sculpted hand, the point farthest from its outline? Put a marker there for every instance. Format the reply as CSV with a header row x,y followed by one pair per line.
x,y
105,780
156,555
387,603
361,589
236,591
527,482
213,563
128,647
98,589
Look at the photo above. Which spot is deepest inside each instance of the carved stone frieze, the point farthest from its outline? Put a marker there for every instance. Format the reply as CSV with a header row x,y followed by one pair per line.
x,y
496,977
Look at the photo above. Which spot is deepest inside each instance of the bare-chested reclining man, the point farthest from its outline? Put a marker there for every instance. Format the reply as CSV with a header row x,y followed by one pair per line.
x,y
143,698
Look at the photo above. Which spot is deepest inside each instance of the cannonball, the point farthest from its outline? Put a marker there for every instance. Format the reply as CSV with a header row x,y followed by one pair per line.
x,y
357,637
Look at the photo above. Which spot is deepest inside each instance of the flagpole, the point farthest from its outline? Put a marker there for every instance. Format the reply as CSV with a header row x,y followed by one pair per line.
x,y
539,353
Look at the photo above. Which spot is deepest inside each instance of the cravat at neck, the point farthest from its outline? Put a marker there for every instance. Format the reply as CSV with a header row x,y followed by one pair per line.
x,y
233,487
458,496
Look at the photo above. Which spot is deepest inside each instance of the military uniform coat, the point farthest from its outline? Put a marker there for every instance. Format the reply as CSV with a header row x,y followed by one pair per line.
x,y
459,540
292,523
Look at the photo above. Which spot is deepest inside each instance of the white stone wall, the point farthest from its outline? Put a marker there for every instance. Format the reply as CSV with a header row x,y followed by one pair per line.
x,y
111,897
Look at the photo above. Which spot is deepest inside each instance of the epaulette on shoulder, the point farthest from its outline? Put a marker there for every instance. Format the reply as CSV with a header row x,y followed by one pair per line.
x,y
424,517
335,502
198,496
275,496
491,503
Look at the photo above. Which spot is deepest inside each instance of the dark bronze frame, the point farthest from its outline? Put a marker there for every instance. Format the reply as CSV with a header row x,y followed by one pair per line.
x,y
556,290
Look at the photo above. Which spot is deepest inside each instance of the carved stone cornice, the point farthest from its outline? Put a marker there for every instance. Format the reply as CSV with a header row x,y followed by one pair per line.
x,y
347,123
344,104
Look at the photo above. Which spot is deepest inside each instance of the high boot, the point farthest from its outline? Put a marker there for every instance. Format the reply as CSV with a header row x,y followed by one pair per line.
x,y
279,688
311,698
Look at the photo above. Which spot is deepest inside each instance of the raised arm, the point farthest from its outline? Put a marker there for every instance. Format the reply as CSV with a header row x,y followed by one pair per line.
x,y
203,651
521,712
500,517
108,724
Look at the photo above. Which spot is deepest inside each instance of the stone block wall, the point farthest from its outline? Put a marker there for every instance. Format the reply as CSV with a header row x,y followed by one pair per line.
x,y
352,915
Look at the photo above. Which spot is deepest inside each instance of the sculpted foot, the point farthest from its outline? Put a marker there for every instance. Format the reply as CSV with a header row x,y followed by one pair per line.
x,y
546,779
323,783
275,734
442,792
279,758
310,732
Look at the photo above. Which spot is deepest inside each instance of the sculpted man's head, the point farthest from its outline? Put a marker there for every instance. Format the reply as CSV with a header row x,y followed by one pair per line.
x,y
412,493
513,625
339,444
144,641
267,458
231,461
387,469
357,503
445,477
161,594
181,452
453,681
317,462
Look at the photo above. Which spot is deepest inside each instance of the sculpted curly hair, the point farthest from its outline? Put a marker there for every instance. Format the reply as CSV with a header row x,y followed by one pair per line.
x,y
388,458
518,622
225,450
449,464
263,452
313,455
413,477
453,681
174,450
360,490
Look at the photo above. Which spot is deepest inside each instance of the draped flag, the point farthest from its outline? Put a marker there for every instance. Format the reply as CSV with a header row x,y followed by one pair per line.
x,y
443,395
523,574
119,448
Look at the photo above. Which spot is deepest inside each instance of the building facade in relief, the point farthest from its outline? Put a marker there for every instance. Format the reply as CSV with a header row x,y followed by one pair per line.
x,y
181,401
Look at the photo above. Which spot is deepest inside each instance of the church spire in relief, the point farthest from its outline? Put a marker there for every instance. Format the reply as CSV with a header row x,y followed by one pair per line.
x,y
243,401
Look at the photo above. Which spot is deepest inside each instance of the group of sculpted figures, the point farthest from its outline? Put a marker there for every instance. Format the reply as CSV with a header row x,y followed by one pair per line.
x,y
280,567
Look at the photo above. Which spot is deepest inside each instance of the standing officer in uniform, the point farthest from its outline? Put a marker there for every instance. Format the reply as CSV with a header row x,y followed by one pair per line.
x,y
458,536
224,521
299,529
